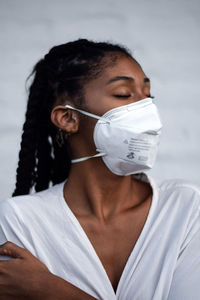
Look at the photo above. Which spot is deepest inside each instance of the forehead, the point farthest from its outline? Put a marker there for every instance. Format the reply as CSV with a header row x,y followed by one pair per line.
x,y
123,63
121,66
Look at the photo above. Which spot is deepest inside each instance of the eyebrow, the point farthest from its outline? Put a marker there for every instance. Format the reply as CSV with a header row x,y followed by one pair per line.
x,y
126,78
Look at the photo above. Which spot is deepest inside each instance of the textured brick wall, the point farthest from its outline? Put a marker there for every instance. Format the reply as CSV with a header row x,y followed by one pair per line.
x,y
164,37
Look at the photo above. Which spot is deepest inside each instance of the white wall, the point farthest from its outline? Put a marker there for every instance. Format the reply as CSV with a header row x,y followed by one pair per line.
x,y
164,37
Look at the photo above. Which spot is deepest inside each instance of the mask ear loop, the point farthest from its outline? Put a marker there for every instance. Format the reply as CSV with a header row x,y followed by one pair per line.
x,y
88,113
93,116
87,157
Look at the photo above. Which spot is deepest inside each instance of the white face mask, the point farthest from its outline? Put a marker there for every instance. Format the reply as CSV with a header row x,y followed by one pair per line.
x,y
127,137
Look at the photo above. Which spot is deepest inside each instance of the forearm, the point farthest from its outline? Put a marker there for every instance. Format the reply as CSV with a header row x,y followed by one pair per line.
x,y
56,288
26,277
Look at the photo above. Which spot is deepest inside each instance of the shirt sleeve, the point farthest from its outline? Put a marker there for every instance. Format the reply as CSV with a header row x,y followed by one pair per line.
x,y
3,240
10,226
186,278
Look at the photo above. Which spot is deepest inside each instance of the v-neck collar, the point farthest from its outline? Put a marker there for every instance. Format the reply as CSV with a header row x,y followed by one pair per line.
x,y
135,253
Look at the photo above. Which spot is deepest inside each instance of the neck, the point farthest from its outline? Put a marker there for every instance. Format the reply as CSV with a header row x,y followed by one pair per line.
x,y
92,189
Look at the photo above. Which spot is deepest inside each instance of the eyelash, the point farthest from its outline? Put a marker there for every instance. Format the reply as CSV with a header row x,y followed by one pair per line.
x,y
150,96
122,96
127,96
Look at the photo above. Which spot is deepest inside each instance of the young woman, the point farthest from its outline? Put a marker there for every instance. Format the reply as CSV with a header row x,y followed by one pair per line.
x,y
97,226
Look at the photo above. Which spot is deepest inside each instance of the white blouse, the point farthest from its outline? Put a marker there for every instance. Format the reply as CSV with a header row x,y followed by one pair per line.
x,y
164,263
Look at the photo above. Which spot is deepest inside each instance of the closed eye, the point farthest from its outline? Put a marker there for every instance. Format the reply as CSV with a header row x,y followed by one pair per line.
x,y
122,96
127,96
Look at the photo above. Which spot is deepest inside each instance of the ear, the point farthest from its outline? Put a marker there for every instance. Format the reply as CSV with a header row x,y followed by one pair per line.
x,y
65,119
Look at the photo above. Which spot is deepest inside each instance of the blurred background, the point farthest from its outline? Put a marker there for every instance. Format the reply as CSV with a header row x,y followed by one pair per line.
x,y
162,35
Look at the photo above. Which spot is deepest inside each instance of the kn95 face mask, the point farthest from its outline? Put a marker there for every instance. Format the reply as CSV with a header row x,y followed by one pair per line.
x,y
127,137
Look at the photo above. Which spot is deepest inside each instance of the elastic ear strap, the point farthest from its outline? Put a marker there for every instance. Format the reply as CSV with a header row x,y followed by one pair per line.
x,y
84,112
87,157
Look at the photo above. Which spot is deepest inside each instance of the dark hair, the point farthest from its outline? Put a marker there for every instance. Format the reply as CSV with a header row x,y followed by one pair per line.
x,y
61,73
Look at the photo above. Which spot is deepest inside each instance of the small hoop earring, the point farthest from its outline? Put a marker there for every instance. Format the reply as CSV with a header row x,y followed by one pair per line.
x,y
60,138
67,134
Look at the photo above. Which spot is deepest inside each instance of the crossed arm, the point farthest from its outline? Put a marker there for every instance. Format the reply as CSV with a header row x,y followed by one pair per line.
x,y
25,277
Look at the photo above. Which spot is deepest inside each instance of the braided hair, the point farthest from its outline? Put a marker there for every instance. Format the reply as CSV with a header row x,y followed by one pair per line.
x,y
60,74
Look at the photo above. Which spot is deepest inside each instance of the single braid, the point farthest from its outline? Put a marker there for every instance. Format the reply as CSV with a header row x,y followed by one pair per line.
x,y
27,158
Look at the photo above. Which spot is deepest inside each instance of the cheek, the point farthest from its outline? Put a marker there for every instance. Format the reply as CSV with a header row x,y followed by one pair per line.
x,y
95,100
97,105
86,128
